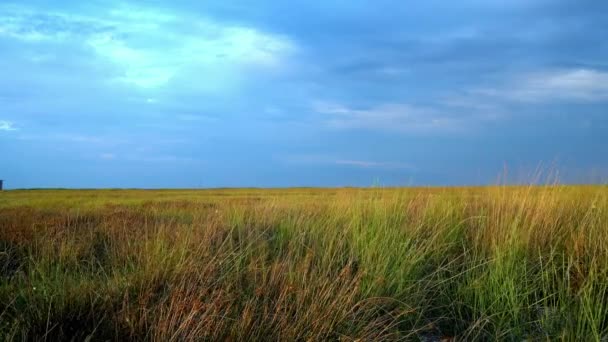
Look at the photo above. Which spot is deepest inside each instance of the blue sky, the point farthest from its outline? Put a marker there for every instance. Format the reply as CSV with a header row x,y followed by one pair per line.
x,y
301,93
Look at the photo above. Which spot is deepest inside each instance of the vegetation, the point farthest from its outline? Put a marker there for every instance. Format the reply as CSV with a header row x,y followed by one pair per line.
x,y
506,263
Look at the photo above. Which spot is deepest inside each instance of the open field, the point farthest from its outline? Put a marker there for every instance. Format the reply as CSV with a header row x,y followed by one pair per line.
x,y
506,263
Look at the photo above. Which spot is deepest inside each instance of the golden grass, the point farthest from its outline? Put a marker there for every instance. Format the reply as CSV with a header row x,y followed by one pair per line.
x,y
305,264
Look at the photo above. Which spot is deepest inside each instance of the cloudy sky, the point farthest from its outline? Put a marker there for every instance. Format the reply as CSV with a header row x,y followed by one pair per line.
x,y
187,93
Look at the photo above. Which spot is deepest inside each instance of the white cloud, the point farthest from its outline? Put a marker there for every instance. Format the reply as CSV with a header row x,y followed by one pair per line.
x,y
373,164
32,26
458,112
356,163
107,156
7,126
576,85
151,46
212,49
79,139
195,118
162,159
387,116
148,158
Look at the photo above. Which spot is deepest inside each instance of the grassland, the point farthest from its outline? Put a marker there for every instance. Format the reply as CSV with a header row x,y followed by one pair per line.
x,y
493,263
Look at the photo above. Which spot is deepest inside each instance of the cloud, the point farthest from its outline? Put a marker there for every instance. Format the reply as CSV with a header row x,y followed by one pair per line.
x,y
569,85
387,116
76,139
107,156
147,46
160,159
7,126
32,25
355,163
373,164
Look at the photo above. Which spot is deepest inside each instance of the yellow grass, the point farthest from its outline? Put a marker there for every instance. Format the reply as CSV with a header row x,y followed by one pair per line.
x,y
305,264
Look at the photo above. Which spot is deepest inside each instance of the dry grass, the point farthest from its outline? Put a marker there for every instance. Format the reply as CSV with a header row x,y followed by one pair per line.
x,y
490,263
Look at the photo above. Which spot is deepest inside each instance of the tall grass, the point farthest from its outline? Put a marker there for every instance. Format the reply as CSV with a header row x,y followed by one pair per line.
x,y
495,263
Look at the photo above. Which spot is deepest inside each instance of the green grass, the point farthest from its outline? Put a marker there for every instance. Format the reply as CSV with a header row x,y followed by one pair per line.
x,y
493,263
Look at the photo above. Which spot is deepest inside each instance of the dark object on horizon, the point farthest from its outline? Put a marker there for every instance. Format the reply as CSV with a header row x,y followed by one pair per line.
x,y
1,181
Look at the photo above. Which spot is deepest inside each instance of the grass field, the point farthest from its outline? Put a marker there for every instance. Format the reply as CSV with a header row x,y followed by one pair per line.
x,y
429,264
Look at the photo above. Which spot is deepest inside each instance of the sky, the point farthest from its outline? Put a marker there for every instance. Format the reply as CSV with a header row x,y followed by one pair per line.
x,y
270,93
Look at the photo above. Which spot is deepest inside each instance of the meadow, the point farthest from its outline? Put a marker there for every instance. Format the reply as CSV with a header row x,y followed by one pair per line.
x,y
420,264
